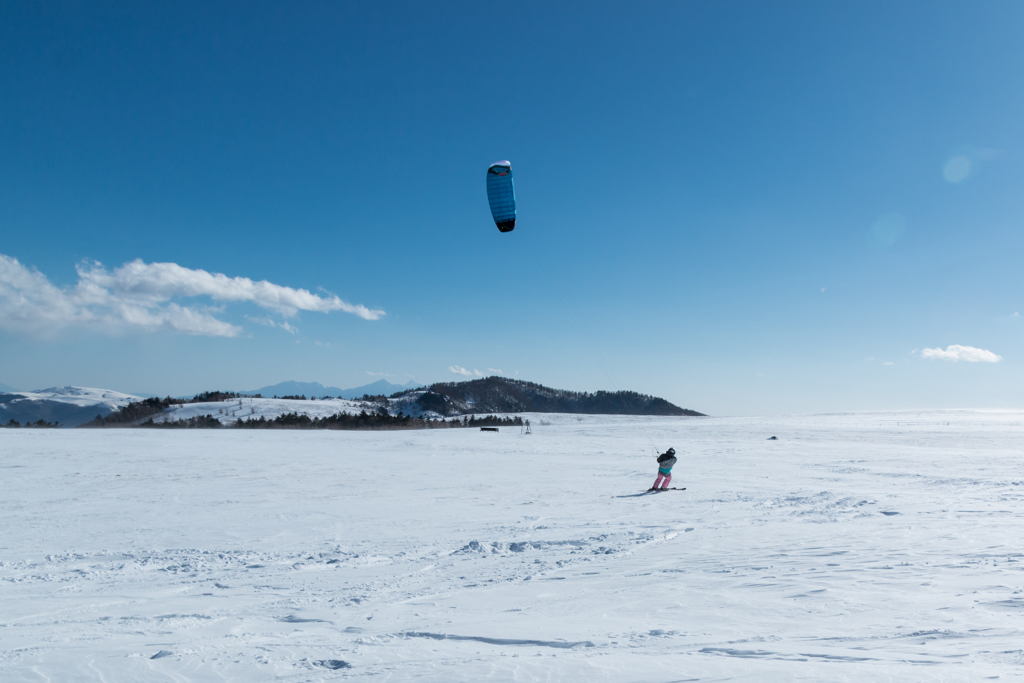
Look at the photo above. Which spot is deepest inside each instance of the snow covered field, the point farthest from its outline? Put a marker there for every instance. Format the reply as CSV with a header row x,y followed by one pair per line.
x,y
854,548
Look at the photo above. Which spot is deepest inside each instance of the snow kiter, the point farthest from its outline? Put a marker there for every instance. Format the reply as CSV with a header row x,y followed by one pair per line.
x,y
501,195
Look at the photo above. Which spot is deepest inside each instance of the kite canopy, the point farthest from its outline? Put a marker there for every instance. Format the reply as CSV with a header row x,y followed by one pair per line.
x,y
501,195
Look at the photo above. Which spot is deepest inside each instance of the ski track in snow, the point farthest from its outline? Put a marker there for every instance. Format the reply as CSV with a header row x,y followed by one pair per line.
x,y
882,546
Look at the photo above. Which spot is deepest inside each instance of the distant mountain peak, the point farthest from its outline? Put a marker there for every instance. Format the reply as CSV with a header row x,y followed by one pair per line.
x,y
293,388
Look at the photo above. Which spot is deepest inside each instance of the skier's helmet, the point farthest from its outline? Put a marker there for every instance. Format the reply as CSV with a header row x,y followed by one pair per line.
x,y
671,451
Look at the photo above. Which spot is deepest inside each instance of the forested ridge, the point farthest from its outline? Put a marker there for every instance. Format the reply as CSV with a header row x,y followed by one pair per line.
x,y
504,395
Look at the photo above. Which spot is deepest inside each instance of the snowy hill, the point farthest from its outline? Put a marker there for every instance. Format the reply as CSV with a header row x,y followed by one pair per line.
x,y
73,406
254,408
490,396
70,406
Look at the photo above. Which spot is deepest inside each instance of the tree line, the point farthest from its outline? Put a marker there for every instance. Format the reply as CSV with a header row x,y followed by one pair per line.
x,y
142,413
14,424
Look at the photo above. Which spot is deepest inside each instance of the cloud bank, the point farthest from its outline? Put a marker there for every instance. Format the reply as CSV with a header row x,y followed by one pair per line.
x,y
957,353
140,295
459,370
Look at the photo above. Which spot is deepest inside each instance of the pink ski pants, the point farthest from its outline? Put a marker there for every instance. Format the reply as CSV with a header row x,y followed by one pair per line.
x,y
658,483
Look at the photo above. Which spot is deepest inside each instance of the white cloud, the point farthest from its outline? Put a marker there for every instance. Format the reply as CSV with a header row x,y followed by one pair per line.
x,y
379,374
958,353
495,371
29,302
459,370
139,295
888,362
270,322
154,283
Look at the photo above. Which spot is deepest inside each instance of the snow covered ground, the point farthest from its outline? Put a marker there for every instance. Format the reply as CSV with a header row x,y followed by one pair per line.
x,y
858,547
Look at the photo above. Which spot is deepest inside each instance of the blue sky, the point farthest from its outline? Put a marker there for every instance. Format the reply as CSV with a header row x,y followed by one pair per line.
x,y
743,207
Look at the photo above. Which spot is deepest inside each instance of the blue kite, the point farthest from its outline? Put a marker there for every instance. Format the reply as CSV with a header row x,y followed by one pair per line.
x,y
502,195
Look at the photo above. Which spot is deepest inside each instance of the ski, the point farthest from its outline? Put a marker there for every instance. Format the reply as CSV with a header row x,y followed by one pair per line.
x,y
672,488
